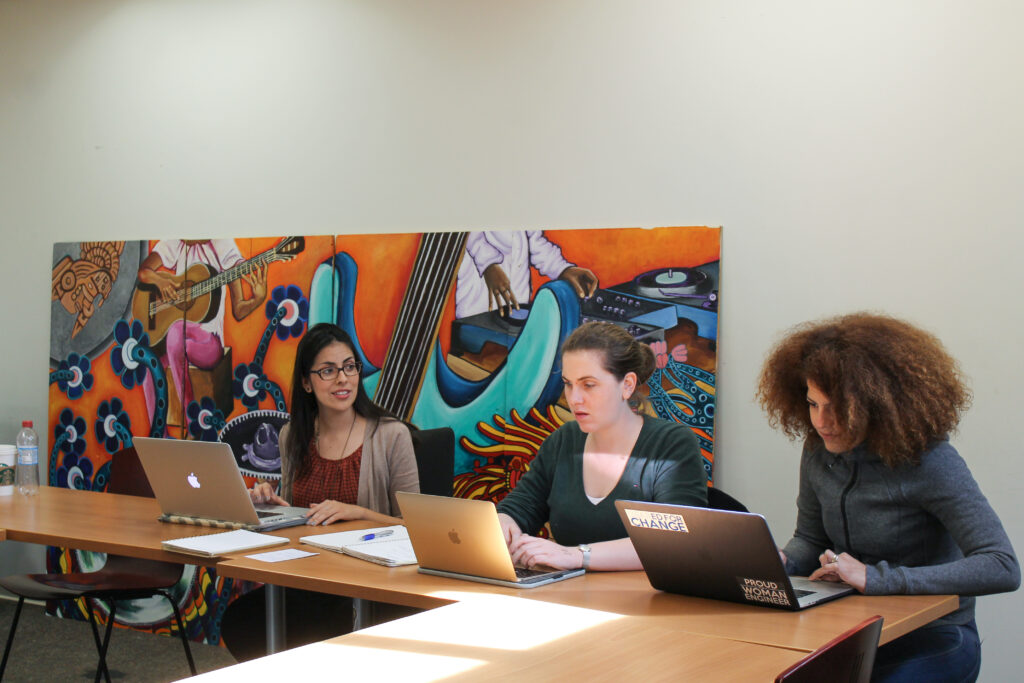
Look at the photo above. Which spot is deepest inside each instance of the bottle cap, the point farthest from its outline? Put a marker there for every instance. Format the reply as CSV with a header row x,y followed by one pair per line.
x,y
26,423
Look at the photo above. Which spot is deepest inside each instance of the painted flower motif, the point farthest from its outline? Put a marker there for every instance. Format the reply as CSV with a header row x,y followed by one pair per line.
x,y
110,414
72,429
79,380
204,418
128,337
296,308
249,385
75,473
679,353
660,356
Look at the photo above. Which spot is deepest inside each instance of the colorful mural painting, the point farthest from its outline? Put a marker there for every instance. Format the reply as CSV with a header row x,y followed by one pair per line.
x,y
195,339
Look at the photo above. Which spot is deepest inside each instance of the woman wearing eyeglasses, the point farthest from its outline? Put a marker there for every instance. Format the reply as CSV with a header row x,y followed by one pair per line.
x,y
342,455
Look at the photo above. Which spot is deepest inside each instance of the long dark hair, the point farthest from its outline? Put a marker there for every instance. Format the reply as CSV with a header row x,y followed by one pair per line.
x,y
304,405
620,353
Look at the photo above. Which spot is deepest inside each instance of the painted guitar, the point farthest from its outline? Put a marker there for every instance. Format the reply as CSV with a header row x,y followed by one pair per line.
x,y
199,290
416,382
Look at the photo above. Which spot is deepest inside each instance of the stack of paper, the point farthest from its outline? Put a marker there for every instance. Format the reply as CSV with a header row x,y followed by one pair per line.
x,y
388,545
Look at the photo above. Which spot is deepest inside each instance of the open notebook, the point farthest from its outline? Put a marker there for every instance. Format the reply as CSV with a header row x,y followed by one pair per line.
x,y
387,545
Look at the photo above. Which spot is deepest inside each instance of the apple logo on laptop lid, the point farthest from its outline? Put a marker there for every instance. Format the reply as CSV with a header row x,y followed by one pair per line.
x,y
193,480
453,536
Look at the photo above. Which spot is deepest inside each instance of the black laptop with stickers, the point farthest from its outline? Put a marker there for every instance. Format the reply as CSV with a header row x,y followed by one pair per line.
x,y
717,554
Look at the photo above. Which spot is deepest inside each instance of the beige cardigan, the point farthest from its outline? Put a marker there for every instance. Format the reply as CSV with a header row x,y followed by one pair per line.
x,y
388,465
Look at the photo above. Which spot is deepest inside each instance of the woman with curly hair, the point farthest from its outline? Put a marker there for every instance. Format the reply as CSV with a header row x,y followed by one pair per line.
x,y
886,504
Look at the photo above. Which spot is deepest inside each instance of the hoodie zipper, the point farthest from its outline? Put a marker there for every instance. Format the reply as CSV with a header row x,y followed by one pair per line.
x,y
842,506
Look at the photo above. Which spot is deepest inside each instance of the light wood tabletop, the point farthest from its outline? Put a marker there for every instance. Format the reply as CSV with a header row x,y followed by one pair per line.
x,y
127,525
101,522
499,638
623,593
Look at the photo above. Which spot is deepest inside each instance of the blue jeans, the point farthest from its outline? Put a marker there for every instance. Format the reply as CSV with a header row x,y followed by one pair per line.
x,y
936,653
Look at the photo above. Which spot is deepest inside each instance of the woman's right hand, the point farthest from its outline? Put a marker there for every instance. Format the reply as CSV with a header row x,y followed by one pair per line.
x,y
264,493
509,529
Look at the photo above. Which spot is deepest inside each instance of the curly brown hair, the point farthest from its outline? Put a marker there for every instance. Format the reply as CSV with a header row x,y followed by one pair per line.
x,y
893,386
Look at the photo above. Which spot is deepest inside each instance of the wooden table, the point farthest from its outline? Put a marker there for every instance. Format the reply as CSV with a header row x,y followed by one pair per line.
x,y
127,525
500,637
624,593
101,522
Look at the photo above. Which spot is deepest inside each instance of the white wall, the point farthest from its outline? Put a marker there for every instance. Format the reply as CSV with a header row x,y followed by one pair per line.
x,y
863,155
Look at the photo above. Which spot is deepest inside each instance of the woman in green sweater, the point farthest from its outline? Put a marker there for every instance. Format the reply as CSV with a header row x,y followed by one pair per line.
x,y
610,452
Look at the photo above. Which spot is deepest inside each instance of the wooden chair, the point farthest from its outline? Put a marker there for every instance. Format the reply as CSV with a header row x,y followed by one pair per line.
x,y
849,658
121,578
435,459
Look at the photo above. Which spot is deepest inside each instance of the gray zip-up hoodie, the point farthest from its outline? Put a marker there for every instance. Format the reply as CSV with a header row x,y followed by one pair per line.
x,y
924,529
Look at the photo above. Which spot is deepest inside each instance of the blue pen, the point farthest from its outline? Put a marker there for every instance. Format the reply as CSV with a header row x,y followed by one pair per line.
x,y
379,534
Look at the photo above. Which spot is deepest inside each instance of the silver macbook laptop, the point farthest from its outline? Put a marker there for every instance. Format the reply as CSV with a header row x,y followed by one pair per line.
x,y
717,554
198,482
461,539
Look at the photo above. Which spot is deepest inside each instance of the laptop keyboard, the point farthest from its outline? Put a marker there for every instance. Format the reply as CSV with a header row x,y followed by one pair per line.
x,y
525,575
263,514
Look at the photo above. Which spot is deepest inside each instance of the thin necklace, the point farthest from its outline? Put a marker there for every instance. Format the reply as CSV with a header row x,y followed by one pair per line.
x,y
355,416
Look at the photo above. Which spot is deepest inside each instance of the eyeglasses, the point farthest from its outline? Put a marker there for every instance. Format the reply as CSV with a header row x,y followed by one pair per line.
x,y
331,371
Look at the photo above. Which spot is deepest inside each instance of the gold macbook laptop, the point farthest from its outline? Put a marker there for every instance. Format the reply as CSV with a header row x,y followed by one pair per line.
x,y
198,482
461,539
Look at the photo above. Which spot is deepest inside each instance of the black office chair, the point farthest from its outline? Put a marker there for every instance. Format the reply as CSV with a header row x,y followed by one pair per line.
x,y
121,578
720,500
849,658
435,459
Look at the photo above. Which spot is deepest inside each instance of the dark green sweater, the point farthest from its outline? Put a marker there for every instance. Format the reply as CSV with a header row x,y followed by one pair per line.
x,y
665,467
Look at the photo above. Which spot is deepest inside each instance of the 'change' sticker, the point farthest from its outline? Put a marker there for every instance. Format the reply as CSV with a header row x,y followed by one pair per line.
x,y
664,521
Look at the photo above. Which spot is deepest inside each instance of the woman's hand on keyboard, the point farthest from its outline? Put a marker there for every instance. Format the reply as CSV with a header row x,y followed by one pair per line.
x,y
264,493
533,552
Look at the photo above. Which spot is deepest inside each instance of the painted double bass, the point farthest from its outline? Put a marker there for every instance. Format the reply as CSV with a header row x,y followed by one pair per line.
x,y
415,381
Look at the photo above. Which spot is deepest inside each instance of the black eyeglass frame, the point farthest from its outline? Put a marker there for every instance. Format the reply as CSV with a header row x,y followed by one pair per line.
x,y
333,370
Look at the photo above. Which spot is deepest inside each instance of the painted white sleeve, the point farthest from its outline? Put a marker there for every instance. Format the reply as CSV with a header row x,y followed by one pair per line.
x,y
170,253
227,253
482,252
546,256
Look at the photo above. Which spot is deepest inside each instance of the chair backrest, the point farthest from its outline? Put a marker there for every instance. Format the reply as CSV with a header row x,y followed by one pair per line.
x,y
127,476
720,500
849,658
435,459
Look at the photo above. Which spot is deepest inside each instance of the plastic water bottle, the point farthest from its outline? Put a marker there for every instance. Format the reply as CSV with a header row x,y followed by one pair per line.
x,y
28,460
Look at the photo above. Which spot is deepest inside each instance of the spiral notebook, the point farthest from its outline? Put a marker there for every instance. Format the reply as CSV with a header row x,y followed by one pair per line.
x,y
224,543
